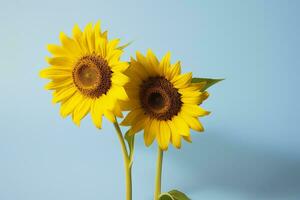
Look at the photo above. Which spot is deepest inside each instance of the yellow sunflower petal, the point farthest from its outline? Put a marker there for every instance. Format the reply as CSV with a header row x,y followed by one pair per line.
x,y
187,138
113,57
118,110
119,79
194,110
189,93
81,111
60,61
192,122
165,63
79,38
119,92
110,116
77,33
102,43
88,30
56,50
137,70
130,104
97,28
196,86
174,71
181,125
96,113
69,45
144,63
137,127
175,136
154,63
55,72
148,135
152,58
108,101
163,136
119,66
68,106
132,117
182,80
112,45
91,38
192,100
53,85
63,94
154,127
104,34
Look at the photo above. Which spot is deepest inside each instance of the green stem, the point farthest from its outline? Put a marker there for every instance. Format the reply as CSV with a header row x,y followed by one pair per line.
x,y
158,173
126,162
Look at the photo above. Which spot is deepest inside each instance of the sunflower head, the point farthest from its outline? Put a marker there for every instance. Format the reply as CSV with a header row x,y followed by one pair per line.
x,y
162,101
87,75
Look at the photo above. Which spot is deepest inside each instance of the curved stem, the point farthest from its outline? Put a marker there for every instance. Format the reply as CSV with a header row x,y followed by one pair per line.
x,y
158,173
126,162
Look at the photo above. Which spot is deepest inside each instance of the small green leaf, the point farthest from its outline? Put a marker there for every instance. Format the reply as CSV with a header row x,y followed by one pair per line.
x,y
125,45
130,141
166,196
208,82
173,195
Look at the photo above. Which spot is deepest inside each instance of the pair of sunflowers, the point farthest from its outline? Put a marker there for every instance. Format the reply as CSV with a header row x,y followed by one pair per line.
x,y
88,77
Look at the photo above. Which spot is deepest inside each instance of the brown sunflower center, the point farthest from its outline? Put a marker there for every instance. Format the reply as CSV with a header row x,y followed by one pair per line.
x,y
159,99
156,100
92,76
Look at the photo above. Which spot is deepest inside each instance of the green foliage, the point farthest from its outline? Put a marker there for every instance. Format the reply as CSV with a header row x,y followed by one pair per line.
x,y
125,45
173,195
208,82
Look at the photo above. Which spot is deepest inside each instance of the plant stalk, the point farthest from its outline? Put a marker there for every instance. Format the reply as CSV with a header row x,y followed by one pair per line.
x,y
127,165
158,173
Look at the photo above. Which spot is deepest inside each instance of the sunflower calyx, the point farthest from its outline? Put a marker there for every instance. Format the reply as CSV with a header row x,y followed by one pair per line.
x,y
208,82
173,195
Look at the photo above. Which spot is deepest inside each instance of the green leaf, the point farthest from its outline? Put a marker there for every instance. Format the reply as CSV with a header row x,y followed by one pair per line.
x,y
165,196
130,141
208,82
125,45
173,195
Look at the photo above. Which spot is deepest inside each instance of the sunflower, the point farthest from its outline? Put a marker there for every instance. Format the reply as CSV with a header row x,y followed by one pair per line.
x,y
163,102
87,75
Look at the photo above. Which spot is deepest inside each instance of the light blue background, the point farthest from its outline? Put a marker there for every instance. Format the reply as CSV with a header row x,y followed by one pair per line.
x,y
250,149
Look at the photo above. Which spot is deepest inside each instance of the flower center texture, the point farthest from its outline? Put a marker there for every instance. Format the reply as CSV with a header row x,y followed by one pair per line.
x,y
159,99
92,76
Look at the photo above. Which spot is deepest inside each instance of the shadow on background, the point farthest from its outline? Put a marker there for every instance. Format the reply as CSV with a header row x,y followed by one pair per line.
x,y
220,163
